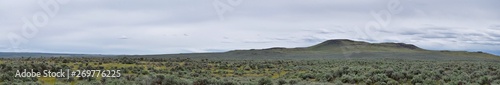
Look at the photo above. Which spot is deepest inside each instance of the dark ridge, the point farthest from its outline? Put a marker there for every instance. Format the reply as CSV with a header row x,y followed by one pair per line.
x,y
346,42
342,49
276,48
339,42
399,45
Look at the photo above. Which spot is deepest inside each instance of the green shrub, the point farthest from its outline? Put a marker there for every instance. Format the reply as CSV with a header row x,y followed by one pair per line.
x,y
380,78
497,82
428,82
326,77
458,82
144,72
293,82
392,82
397,76
306,76
265,81
417,79
347,79
201,82
281,82
368,81
485,80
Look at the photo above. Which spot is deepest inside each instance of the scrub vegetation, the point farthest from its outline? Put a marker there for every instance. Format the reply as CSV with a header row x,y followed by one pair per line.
x,y
185,71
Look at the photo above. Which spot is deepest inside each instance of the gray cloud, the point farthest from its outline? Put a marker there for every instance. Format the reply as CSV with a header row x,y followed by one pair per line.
x,y
410,33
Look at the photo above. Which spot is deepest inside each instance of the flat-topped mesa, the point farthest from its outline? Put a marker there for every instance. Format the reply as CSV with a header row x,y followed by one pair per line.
x,y
399,45
345,49
339,42
346,42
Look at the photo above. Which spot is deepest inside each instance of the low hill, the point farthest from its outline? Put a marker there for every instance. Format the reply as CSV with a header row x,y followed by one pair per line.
x,y
330,49
342,49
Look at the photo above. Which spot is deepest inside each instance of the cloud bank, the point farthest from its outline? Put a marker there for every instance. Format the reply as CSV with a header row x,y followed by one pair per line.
x,y
176,26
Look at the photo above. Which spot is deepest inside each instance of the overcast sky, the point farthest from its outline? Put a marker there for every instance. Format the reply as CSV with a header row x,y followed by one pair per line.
x,y
184,26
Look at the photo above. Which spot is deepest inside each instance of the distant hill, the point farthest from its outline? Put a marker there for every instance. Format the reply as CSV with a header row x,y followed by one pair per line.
x,y
342,49
330,49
